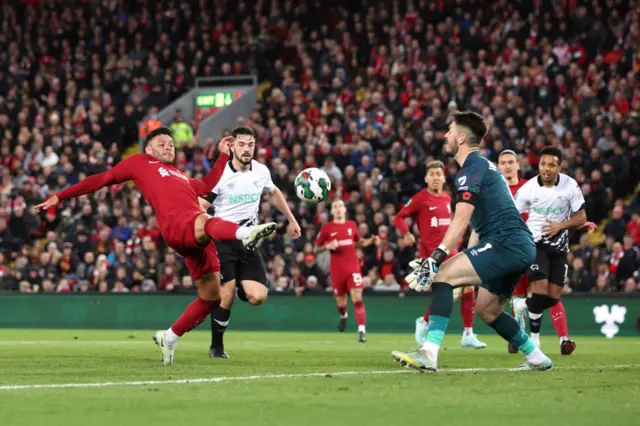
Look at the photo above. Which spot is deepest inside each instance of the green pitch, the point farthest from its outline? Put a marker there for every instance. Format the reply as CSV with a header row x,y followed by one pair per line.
x,y
306,380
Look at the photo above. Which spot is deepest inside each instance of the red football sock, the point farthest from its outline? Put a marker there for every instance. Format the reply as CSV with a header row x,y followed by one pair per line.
x,y
559,319
426,314
196,312
342,310
220,229
360,312
468,309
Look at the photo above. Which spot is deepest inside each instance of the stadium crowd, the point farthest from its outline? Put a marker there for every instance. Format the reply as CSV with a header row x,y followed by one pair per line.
x,y
360,89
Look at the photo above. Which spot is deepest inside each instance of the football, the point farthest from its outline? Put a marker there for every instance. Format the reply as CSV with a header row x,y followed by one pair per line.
x,y
312,185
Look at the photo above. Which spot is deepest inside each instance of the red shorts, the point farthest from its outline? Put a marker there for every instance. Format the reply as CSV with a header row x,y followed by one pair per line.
x,y
344,283
522,287
180,235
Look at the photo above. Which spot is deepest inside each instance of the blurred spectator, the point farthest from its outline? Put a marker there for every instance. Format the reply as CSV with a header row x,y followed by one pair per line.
x,y
617,225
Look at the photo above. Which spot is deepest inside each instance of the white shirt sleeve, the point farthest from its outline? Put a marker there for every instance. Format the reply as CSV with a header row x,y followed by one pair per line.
x,y
268,186
522,198
576,199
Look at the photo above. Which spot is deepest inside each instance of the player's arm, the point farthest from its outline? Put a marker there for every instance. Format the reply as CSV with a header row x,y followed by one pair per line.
x,y
322,242
409,210
366,242
212,178
522,199
280,203
121,172
474,239
578,216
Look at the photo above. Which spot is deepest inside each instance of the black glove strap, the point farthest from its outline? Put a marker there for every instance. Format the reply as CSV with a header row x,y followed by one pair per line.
x,y
439,256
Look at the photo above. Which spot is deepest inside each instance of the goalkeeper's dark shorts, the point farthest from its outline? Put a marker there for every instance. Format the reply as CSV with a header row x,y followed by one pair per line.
x,y
500,264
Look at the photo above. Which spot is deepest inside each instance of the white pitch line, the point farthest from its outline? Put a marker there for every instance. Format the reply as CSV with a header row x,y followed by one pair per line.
x,y
281,376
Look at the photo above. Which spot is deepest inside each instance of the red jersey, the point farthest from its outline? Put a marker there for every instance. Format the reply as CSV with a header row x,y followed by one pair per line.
x,y
434,218
514,189
172,195
344,260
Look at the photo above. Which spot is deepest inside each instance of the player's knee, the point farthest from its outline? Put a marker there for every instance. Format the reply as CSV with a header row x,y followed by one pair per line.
x,y
356,296
256,293
341,301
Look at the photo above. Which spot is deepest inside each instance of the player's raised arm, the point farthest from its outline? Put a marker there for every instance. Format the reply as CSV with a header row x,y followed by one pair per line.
x,y
121,172
212,178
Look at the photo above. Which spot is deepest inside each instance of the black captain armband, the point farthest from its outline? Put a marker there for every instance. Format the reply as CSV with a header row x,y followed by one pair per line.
x,y
467,197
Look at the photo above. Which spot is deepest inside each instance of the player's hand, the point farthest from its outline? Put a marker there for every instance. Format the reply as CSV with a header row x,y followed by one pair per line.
x,y
294,229
331,245
225,144
53,201
551,229
589,226
409,239
424,271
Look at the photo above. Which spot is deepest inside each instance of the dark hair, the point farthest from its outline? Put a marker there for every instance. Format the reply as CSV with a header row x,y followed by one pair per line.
x,y
436,164
554,152
157,132
243,130
472,121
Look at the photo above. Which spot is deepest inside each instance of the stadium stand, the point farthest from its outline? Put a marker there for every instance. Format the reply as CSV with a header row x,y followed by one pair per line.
x,y
360,89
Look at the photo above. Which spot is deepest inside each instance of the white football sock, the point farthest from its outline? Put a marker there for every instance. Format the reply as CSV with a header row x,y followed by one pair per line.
x,y
519,303
243,232
536,338
362,328
431,349
536,357
468,331
564,338
171,337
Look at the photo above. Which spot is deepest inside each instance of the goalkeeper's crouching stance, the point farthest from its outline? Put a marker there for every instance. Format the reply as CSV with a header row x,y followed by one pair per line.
x,y
498,254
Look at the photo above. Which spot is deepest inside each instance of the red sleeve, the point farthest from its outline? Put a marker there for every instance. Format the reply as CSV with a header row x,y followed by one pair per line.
x,y
409,209
322,236
356,233
118,174
212,178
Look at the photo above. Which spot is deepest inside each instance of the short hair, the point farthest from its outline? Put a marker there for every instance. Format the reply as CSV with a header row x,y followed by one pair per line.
x,y
243,130
435,164
508,151
157,132
555,152
472,121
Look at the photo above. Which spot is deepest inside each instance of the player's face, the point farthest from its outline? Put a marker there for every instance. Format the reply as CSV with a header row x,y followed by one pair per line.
x,y
338,210
161,147
508,165
549,169
243,148
435,179
452,138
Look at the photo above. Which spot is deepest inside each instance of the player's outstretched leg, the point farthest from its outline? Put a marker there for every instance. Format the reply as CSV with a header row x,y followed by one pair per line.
x,y
222,230
559,320
197,311
422,327
360,313
468,312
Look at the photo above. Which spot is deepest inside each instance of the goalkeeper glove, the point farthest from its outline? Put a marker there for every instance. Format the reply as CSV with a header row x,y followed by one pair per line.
x,y
425,270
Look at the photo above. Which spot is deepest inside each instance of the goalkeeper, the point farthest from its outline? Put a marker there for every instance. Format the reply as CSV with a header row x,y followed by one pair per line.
x,y
501,250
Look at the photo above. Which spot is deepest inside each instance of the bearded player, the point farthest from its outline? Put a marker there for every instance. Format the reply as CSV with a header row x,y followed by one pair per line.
x,y
184,227
509,167
341,236
433,209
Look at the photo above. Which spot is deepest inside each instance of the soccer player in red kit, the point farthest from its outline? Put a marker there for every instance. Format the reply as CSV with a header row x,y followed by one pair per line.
x,y
184,227
341,236
510,168
433,209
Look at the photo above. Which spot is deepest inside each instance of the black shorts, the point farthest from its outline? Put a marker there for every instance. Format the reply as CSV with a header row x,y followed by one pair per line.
x,y
240,264
549,265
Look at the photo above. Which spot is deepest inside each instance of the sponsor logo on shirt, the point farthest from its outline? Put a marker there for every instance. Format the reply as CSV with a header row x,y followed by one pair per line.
x,y
243,198
164,173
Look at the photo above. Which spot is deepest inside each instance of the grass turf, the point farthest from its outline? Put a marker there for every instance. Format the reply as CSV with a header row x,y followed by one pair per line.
x,y
594,386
